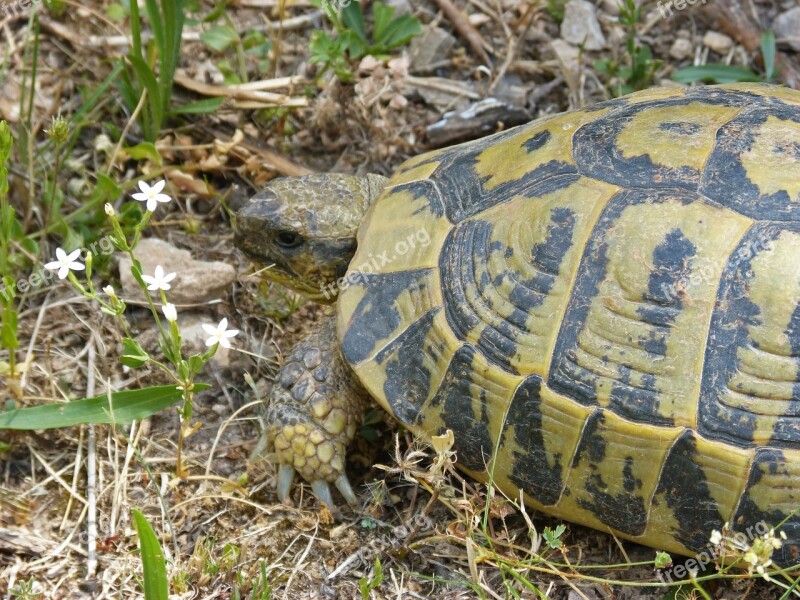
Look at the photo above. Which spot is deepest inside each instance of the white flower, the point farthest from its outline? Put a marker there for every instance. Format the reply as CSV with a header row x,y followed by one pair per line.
x,y
151,195
220,334
716,537
170,312
110,292
64,263
159,281
109,209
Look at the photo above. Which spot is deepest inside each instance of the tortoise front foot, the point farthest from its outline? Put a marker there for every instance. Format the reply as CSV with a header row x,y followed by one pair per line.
x,y
316,406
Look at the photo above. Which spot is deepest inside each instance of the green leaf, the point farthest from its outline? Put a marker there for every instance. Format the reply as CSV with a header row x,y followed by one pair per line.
x,y
154,565
768,54
353,19
367,585
399,31
132,354
124,407
219,37
146,77
8,329
116,12
551,536
201,107
144,151
714,74
662,560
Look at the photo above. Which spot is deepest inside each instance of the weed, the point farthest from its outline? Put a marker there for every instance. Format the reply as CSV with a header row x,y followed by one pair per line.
x,y
719,73
367,584
352,41
637,69
262,590
25,590
147,92
154,565
555,8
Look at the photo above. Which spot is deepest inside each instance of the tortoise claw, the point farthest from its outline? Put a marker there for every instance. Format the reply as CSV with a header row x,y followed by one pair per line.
x,y
285,478
322,491
346,490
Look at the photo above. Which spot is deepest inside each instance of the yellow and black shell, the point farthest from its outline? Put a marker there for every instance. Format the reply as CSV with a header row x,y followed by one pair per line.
x,y
606,305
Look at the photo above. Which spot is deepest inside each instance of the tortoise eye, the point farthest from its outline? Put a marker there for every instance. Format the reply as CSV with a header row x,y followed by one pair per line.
x,y
288,239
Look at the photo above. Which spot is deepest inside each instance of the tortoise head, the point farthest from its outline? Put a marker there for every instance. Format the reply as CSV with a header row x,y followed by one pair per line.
x,y
303,229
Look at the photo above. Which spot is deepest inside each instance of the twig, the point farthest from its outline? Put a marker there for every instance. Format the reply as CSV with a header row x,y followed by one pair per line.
x,y
125,131
34,335
91,474
238,93
465,30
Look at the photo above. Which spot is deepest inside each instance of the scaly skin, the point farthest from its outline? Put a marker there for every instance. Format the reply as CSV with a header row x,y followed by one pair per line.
x,y
315,407
303,230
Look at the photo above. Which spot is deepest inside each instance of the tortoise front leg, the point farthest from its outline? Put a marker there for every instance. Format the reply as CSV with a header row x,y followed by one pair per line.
x,y
316,405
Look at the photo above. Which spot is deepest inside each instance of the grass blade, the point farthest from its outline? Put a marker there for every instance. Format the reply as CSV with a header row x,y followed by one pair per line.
x,y
156,586
768,54
124,407
715,74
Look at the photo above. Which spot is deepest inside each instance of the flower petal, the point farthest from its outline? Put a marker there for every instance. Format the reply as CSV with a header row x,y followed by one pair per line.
x,y
209,329
143,185
73,255
158,186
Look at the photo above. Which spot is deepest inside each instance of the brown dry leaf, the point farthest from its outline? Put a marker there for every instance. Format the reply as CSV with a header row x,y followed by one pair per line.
x,y
186,182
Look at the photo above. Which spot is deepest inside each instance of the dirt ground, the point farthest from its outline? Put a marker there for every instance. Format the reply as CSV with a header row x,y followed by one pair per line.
x,y
223,530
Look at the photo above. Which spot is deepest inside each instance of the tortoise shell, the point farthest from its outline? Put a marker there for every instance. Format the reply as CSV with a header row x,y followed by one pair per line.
x,y
604,306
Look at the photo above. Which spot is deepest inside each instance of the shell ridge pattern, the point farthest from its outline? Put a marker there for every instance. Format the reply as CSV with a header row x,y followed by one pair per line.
x,y
751,372
625,295
615,345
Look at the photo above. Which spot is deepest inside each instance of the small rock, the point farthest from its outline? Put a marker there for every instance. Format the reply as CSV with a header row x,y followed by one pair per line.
x,y
681,49
718,42
196,281
787,26
568,55
611,7
431,47
401,7
581,27
442,93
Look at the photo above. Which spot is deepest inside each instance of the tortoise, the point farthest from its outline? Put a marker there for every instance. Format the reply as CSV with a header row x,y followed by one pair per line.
x,y
602,305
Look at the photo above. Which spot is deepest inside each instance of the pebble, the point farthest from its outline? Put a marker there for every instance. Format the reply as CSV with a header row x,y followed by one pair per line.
x,y
433,46
681,49
568,56
787,26
196,281
718,42
581,27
